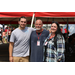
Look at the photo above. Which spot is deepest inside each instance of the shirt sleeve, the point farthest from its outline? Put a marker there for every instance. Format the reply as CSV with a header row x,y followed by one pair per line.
x,y
33,29
12,38
60,48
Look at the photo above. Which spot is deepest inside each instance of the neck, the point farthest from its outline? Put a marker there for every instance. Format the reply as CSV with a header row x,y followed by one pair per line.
x,y
53,33
21,28
39,31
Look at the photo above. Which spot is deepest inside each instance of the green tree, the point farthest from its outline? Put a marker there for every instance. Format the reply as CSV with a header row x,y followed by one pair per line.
x,y
16,25
13,25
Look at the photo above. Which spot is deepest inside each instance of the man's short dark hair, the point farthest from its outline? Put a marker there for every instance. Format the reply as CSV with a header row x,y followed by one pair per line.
x,y
22,17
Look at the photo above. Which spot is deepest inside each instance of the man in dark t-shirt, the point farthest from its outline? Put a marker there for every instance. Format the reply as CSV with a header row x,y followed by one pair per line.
x,y
37,40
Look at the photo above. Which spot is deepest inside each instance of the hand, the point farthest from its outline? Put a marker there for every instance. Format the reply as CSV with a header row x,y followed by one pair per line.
x,y
49,31
59,60
11,59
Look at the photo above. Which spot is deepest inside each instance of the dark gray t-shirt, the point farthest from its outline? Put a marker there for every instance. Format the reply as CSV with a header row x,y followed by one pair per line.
x,y
21,39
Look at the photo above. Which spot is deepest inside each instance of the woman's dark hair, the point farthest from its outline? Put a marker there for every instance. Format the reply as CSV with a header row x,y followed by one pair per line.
x,y
57,32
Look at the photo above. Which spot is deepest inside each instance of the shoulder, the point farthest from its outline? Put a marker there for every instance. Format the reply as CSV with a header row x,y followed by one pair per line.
x,y
33,32
31,28
60,37
46,31
14,31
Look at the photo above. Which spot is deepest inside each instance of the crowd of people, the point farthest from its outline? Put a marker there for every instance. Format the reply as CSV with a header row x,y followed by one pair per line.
x,y
5,34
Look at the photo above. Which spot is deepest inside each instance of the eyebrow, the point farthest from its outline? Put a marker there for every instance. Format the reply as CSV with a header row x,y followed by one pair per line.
x,y
23,21
53,26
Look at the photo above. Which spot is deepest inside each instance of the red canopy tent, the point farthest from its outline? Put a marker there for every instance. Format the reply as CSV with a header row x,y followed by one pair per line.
x,y
54,14
61,17
46,17
16,14
12,17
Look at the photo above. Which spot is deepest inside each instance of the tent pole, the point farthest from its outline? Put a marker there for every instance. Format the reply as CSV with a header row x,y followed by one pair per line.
x,y
32,19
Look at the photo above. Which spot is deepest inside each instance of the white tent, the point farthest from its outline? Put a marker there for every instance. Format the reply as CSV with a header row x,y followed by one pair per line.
x,y
1,26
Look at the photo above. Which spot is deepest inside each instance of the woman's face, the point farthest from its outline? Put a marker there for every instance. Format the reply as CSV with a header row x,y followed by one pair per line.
x,y
53,28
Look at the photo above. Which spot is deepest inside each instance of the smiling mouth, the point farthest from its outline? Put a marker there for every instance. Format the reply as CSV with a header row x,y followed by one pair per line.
x,y
22,25
53,29
37,28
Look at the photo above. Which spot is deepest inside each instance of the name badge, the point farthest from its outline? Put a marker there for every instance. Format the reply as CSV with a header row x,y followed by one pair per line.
x,y
38,43
46,43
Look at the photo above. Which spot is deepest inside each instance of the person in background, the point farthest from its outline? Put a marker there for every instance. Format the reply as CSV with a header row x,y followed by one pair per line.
x,y
64,32
54,45
4,37
61,29
12,29
9,34
37,40
0,35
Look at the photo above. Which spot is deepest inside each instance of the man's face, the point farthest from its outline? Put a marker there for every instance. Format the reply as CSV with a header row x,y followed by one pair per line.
x,y
38,25
22,22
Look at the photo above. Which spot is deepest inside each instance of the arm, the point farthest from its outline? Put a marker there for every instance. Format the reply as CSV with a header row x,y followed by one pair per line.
x,y
33,29
11,44
50,31
60,49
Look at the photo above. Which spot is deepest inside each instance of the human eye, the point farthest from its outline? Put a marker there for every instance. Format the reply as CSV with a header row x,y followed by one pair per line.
x,y
36,24
25,22
54,26
21,21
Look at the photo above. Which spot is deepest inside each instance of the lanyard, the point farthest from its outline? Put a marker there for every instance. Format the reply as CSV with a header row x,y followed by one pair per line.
x,y
51,36
39,35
